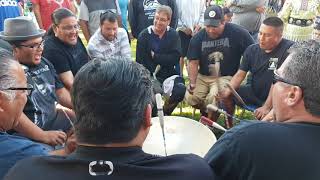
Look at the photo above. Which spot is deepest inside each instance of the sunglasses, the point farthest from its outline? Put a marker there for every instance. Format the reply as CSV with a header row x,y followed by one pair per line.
x,y
28,89
278,78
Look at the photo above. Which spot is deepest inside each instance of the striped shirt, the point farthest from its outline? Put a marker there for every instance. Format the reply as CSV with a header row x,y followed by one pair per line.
x,y
99,47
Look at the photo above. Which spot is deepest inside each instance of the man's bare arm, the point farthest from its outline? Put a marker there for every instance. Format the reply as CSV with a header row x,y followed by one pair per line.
x,y
85,30
64,97
36,10
28,129
262,111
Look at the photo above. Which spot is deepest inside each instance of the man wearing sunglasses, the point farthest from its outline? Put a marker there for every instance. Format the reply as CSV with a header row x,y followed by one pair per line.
x,y
288,147
40,119
13,96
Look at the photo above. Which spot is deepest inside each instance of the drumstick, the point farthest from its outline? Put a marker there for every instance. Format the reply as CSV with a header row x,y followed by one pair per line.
x,y
238,97
214,108
209,122
161,119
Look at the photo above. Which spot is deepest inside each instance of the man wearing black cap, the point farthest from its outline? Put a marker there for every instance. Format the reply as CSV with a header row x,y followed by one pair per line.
x,y
27,44
214,55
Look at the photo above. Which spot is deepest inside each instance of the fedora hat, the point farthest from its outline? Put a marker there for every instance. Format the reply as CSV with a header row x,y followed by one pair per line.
x,y
20,28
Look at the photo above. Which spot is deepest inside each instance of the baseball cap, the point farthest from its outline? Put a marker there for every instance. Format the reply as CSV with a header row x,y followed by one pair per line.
x,y
213,16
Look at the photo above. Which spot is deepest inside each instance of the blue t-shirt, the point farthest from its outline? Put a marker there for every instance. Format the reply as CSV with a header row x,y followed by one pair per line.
x,y
15,148
231,44
8,9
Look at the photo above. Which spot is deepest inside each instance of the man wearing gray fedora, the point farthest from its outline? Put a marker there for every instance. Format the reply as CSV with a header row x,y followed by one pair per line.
x,y
41,120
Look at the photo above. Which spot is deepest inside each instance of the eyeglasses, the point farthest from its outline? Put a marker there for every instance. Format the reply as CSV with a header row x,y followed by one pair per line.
x,y
278,78
161,19
70,28
34,46
27,89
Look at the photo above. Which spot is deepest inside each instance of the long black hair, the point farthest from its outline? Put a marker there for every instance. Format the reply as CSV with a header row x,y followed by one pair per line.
x,y
57,16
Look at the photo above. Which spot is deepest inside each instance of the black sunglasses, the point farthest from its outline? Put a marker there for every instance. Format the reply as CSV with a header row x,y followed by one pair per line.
x,y
278,78
28,89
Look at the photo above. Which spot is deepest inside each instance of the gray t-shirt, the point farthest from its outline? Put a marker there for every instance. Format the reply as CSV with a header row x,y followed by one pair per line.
x,y
245,14
91,10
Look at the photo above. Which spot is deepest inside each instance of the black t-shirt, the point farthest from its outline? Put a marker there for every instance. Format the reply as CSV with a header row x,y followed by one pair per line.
x,y
122,164
40,107
65,57
231,44
267,151
262,64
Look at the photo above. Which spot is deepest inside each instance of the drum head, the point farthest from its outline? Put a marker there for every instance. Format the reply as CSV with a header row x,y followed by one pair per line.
x,y
183,136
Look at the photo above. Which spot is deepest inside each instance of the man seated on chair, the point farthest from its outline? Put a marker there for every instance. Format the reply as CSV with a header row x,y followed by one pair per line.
x,y
109,40
260,60
214,56
159,45
112,100
287,148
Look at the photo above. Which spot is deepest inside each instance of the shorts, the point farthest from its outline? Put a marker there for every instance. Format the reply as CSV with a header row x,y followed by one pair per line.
x,y
206,91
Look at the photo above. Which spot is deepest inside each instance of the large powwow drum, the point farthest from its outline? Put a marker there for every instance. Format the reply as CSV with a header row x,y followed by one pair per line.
x,y
183,136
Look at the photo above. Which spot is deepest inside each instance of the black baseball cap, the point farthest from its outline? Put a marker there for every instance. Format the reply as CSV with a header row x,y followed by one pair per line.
x,y
213,16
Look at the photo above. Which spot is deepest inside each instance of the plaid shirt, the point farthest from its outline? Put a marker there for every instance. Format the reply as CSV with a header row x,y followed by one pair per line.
x,y
99,47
